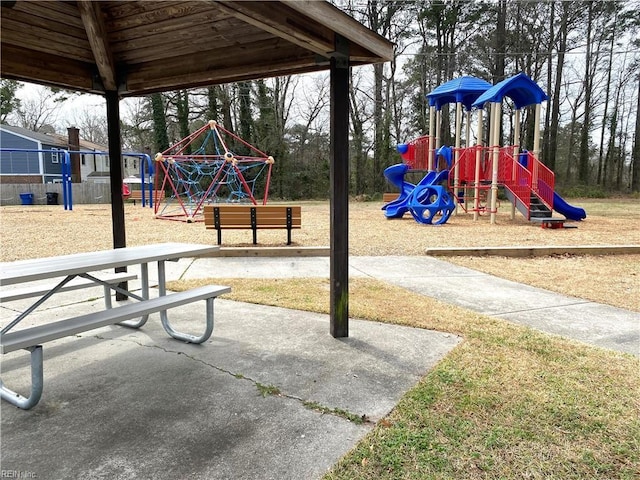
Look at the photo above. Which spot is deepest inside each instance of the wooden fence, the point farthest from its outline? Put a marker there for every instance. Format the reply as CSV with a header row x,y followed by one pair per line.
x,y
83,193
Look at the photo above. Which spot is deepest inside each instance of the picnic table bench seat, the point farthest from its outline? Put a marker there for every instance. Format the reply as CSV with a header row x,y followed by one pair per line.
x,y
32,338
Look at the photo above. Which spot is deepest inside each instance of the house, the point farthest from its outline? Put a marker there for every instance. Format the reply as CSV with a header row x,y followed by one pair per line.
x,y
45,166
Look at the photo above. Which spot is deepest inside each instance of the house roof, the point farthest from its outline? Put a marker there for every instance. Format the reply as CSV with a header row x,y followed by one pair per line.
x,y
54,139
37,136
140,47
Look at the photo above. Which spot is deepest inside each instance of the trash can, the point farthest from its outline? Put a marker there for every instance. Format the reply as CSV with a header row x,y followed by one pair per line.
x,y
52,198
26,198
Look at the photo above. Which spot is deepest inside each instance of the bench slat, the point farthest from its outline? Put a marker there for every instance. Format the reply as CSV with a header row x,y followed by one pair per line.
x,y
137,195
255,217
242,226
259,215
37,335
75,284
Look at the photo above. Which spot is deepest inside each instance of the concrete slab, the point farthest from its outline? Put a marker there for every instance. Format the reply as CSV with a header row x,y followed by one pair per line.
x,y
262,267
121,403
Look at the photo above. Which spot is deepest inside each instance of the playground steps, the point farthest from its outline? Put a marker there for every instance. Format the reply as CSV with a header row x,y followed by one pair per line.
x,y
538,209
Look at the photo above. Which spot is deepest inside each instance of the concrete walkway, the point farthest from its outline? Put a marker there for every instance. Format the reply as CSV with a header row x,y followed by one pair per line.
x,y
268,395
589,322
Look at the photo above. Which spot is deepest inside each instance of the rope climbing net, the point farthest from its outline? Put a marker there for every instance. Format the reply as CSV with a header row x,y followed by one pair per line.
x,y
212,165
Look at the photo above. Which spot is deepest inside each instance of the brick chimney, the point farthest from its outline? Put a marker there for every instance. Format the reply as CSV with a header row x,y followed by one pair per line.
x,y
74,144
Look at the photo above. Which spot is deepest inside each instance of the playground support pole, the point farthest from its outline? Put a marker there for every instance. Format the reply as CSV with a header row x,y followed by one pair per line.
x,y
67,188
516,150
467,144
495,124
476,193
456,168
536,145
467,133
536,132
432,136
438,126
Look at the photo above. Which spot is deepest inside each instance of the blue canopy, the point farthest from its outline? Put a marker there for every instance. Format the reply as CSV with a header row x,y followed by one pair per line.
x,y
464,90
519,88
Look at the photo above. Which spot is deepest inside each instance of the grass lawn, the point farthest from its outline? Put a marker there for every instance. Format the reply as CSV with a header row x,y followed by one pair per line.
x,y
509,402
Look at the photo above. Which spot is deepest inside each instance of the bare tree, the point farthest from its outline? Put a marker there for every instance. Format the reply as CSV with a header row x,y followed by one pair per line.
x,y
40,111
635,156
92,124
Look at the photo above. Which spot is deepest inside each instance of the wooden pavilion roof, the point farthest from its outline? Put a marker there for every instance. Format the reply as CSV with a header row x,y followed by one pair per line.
x,y
140,47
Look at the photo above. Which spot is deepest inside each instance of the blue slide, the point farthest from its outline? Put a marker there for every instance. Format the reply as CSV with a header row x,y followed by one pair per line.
x,y
569,211
395,175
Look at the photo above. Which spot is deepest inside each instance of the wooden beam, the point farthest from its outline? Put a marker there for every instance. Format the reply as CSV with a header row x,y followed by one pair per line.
x,y
115,176
279,20
115,168
45,69
97,35
39,39
339,180
262,60
342,24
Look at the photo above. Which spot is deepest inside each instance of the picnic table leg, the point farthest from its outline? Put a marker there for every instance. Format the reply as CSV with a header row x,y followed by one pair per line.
x,y
164,317
37,383
185,336
144,274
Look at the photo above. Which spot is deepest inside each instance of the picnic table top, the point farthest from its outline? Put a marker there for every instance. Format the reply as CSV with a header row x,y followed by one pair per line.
x,y
51,267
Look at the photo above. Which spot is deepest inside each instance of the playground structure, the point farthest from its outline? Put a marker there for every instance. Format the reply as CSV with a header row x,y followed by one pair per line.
x,y
475,172
206,167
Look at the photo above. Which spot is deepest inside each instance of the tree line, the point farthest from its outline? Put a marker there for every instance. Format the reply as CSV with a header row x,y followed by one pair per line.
x,y
584,54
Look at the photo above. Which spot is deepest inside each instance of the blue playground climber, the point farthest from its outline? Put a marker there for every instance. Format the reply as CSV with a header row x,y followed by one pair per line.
x,y
429,201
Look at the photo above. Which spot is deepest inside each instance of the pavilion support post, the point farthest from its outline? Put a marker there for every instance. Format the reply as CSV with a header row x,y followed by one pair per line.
x,y
339,180
115,176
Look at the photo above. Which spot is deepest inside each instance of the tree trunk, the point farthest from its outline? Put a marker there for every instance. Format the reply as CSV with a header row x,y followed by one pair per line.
x,y
583,164
182,107
547,157
606,105
635,155
500,42
159,123
555,99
